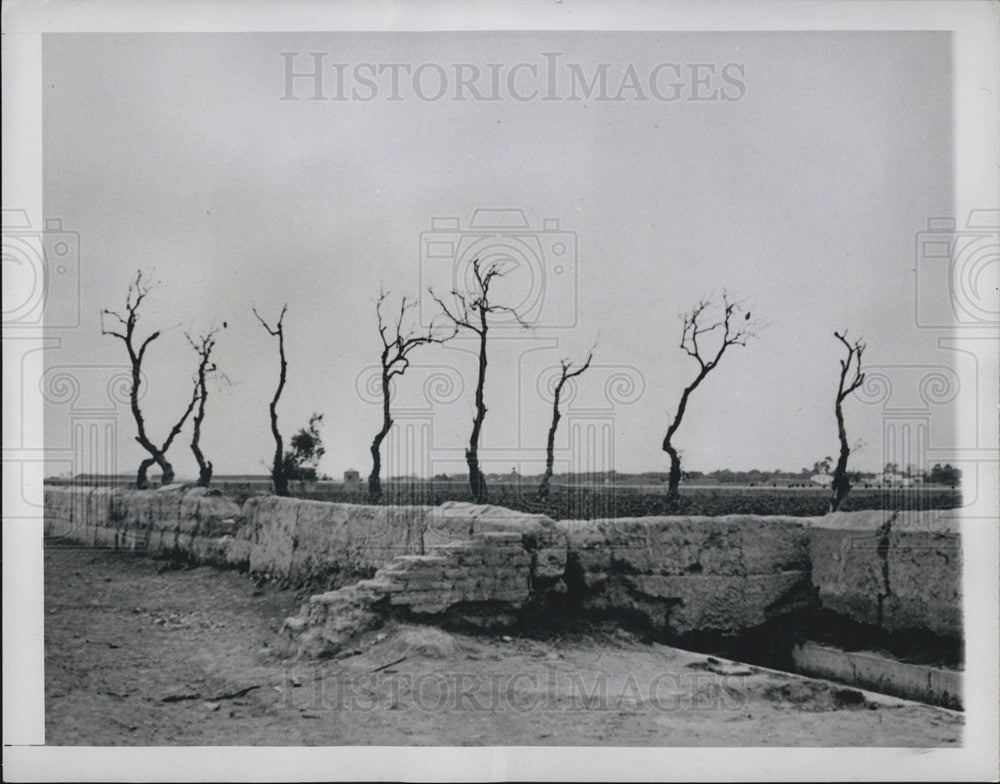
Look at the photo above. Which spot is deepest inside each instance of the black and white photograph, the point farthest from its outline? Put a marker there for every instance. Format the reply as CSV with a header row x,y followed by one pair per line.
x,y
454,391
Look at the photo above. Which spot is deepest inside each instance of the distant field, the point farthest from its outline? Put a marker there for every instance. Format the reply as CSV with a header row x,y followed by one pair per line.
x,y
589,502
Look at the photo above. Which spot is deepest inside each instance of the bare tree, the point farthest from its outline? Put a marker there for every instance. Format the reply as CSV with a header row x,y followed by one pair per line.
x,y
203,346
729,330
565,375
395,351
279,476
471,311
137,292
841,485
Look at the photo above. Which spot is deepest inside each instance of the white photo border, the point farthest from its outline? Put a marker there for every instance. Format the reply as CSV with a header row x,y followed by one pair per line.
x,y
976,92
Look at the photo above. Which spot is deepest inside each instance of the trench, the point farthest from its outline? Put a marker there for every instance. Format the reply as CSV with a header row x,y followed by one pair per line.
x,y
914,664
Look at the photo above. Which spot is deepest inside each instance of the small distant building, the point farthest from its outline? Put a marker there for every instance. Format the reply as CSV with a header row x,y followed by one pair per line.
x,y
823,480
352,480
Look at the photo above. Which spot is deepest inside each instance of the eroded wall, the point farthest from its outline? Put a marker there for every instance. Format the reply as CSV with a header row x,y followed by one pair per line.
x,y
684,574
897,571
676,574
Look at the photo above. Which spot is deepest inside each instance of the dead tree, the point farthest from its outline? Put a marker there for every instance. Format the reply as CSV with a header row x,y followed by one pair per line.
x,y
841,485
471,311
565,375
733,329
395,361
279,476
137,292
203,346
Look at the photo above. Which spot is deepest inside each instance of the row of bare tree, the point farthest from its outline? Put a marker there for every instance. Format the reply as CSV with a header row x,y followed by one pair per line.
x,y
704,337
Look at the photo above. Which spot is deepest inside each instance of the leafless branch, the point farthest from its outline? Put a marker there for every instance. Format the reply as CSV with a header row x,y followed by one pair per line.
x,y
468,310
276,329
460,315
732,330
854,353
566,365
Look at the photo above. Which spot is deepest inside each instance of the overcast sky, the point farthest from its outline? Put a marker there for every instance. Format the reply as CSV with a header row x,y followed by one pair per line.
x,y
798,186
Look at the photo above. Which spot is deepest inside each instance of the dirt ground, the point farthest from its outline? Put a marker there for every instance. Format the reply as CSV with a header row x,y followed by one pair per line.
x,y
139,652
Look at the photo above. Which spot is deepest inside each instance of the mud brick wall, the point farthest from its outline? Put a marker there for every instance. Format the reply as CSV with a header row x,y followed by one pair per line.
x,y
197,522
296,541
684,574
302,541
492,569
544,539
899,572
676,574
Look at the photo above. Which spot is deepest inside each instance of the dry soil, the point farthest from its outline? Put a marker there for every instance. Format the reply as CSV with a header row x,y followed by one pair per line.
x,y
141,652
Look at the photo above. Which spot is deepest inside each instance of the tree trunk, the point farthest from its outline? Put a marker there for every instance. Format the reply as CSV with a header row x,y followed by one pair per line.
x,y
204,467
141,480
157,458
841,485
477,482
375,477
168,470
278,476
156,455
201,392
543,488
673,487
